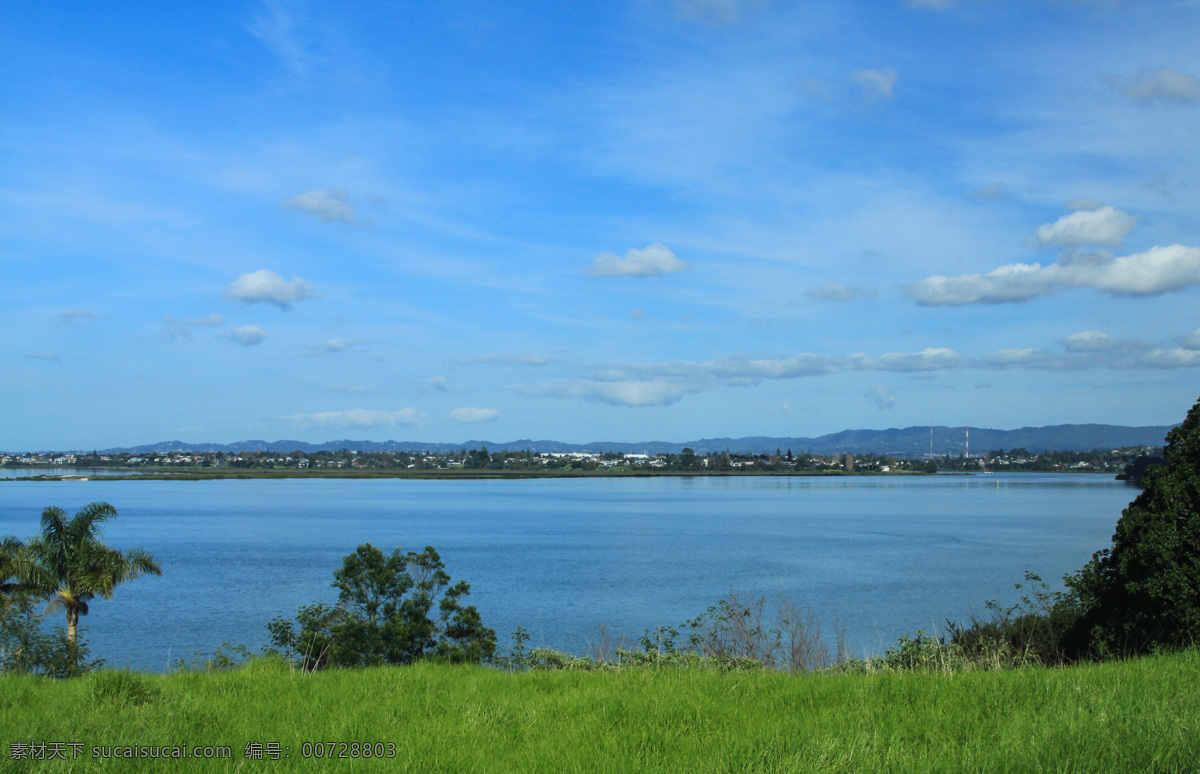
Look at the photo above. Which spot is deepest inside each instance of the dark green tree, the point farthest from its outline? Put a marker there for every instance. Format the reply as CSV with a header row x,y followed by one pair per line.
x,y
392,609
1144,591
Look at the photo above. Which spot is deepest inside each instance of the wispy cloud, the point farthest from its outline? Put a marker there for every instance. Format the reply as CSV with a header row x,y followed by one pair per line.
x,y
881,396
508,358
1085,203
650,392
330,206
717,12
1161,85
265,286
936,5
181,327
72,316
652,261
997,190
276,26
875,85
361,418
836,291
473,414
247,335
341,345
666,383
53,357
1088,341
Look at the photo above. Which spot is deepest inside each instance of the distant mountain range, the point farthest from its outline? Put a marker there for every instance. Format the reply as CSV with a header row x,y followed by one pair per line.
x,y
906,442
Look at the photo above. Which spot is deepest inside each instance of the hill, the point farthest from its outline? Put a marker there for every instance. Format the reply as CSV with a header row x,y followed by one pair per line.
x,y
913,441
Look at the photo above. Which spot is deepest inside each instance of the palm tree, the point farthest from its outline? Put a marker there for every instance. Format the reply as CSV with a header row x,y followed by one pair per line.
x,y
69,565
10,549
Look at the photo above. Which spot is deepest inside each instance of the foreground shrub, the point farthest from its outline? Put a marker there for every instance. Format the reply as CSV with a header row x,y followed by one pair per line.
x,y
1142,592
1030,633
27,648
393,609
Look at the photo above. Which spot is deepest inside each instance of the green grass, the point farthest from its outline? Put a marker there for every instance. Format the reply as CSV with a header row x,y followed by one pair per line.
x,y
1138,715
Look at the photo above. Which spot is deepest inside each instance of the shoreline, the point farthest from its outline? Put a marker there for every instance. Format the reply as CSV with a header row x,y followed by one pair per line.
x,y
461,475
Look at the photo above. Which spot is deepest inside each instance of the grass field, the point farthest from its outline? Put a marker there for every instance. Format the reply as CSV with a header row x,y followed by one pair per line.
x,y
1137,716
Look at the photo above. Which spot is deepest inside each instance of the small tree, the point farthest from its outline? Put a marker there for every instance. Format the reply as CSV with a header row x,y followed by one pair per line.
x,y
68,565
392,609
1144,591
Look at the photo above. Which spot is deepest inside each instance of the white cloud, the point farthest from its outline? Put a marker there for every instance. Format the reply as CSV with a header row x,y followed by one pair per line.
x,y
438,383
1161,85
1158,270
329,206
650,261
1192,340
247,336
361,418
876,85
652,392
53,357
929,359
265,286
1012,358
1175,358
473,414
665,383
1088,341
181,327
341,345
1103,226
882,396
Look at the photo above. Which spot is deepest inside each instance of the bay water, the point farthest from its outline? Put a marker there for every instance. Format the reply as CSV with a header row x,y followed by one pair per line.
x,y
883,555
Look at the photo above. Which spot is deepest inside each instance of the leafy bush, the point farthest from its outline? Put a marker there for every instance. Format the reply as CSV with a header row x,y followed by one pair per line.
x,y
1141,593
393,609
27,648
1029,633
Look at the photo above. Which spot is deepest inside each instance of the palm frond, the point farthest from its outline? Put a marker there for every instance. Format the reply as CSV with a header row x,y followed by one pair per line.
x,y
88,522
141,561
54,525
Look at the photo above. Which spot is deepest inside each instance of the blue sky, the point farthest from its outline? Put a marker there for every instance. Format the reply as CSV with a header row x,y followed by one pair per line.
x,y
628,220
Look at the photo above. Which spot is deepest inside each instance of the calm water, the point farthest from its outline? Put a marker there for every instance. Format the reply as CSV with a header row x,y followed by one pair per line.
x,y
884,555
89,472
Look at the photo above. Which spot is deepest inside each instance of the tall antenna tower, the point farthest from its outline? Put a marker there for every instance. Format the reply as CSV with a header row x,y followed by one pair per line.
x,y
968,442
931,439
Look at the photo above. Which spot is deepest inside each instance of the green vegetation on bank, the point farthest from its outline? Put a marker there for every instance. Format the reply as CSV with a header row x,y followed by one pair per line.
x,y
1135,715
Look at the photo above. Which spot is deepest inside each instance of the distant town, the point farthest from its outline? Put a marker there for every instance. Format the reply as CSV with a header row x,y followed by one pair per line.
x,y
782,461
